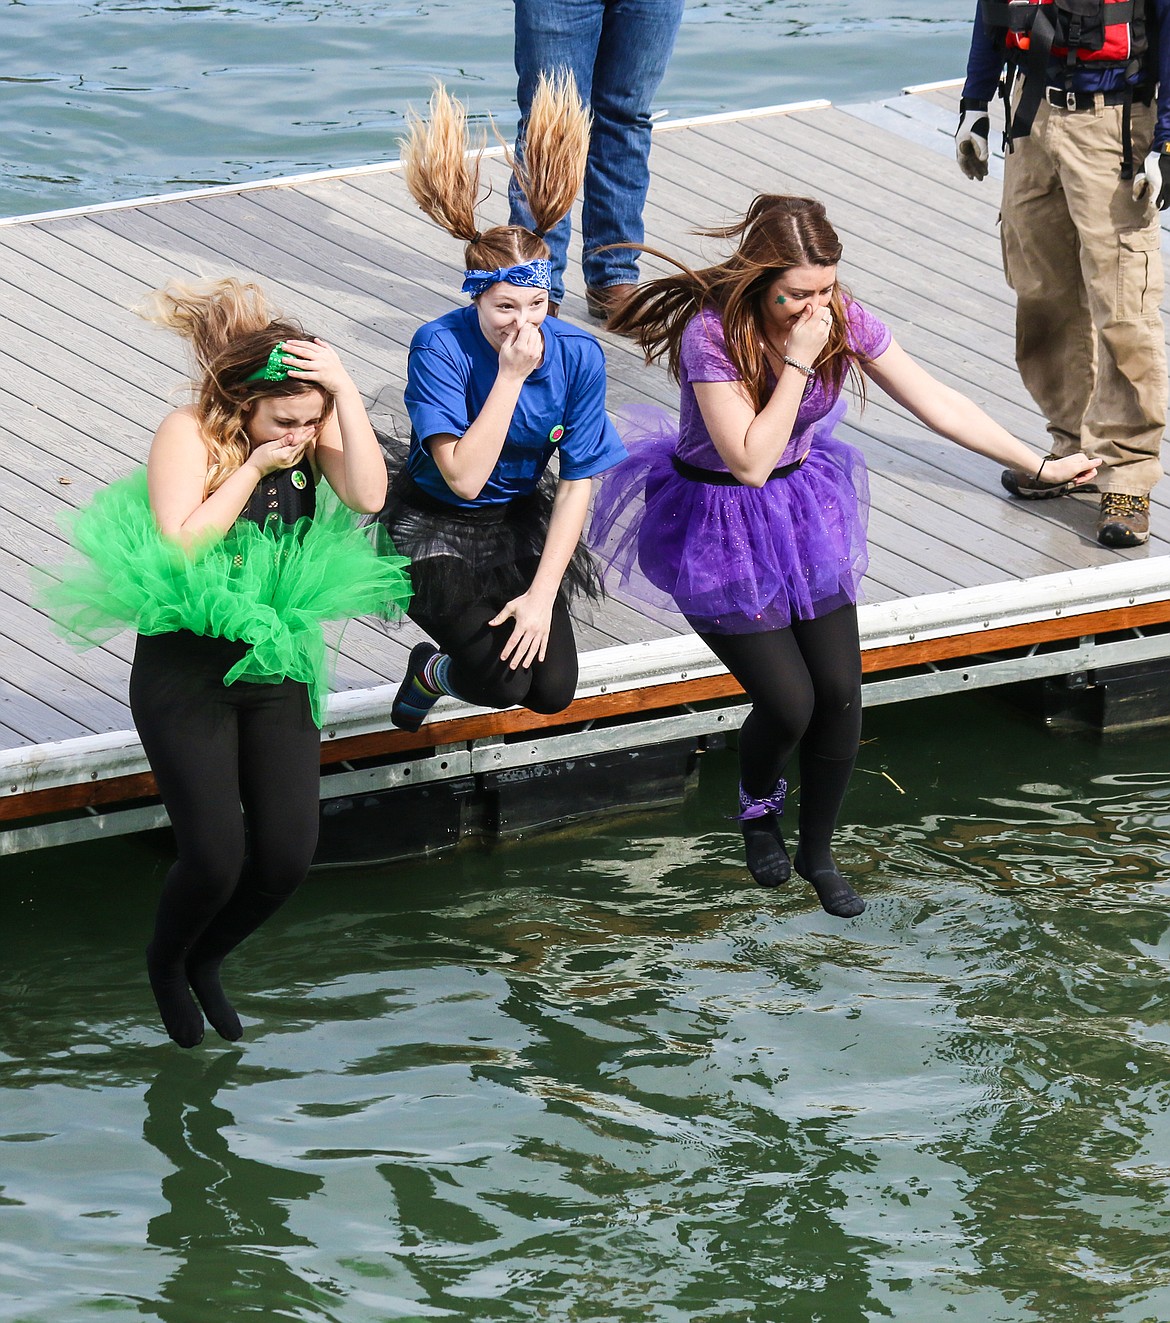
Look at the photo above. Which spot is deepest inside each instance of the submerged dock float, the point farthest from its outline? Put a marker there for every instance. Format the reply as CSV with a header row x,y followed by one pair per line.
x,y
966,588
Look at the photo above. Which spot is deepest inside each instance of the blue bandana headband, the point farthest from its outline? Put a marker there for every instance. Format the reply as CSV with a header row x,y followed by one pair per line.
x,y
536,274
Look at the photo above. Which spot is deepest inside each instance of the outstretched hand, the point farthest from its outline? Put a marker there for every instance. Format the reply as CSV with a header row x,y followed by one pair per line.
x,y
1077,469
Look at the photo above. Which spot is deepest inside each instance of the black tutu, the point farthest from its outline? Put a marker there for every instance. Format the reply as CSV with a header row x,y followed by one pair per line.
x,y
461,557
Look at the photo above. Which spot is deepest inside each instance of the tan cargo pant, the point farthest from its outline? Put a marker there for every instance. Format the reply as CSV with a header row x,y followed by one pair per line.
x,y
1086,264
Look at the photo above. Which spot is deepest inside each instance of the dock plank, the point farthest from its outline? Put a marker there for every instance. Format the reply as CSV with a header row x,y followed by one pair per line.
x,y
31,719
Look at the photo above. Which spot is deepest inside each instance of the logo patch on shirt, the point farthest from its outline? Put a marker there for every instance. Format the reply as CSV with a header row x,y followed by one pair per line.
x,y
299,481
558,431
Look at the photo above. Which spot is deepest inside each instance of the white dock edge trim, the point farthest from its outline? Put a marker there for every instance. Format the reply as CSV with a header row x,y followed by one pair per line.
x,y
725,116
1016,602
661,661
943,85
372,168
219,190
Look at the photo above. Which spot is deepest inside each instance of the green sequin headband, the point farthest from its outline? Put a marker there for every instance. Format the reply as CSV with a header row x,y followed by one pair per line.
x,y
274,369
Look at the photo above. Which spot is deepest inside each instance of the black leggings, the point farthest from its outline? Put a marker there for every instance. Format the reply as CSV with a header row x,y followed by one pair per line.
x,y
804,683
479,676
238,768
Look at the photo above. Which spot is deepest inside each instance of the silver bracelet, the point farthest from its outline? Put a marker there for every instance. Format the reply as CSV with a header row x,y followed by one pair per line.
x,y
800,367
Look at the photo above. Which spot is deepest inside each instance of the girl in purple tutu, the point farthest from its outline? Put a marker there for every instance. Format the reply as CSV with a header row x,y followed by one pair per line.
x,y
749,514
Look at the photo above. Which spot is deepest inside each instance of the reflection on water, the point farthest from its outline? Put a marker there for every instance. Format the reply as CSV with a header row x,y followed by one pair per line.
x,y
220,1202
602,1077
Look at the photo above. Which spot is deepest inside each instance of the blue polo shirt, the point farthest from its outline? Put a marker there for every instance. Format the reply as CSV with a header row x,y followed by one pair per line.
x,y
451,370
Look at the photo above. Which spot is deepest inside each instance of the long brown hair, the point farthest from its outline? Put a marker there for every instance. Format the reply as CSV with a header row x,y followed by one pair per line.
x,y
441,167
777,233
231,331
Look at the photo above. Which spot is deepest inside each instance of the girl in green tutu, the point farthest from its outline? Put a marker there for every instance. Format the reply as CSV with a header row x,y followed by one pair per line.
x,y
224,560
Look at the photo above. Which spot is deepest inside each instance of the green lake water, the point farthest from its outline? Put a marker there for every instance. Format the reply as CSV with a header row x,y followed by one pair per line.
x,y
602,1076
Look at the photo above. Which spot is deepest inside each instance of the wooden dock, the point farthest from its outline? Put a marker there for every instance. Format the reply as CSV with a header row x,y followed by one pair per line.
x,y
965,587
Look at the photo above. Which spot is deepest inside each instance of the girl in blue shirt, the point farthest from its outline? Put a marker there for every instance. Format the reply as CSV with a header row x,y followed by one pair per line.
x,y
494,390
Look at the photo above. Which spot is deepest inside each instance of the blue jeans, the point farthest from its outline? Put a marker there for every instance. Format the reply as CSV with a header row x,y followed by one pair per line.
x,y
618,51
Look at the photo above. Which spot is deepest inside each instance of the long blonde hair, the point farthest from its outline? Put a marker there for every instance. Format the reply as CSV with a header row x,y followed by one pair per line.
x,y
441,167
231,330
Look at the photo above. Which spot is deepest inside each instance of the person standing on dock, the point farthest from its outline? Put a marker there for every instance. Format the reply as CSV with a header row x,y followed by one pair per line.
x,y
749,513
617,51
1086,90
222,557
494,390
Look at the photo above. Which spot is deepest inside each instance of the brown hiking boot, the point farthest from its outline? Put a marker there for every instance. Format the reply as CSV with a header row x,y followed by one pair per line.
x,y
602,301
1124,520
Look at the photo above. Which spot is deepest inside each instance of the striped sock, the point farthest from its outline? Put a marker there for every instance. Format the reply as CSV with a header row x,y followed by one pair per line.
x,y
433,677
421,687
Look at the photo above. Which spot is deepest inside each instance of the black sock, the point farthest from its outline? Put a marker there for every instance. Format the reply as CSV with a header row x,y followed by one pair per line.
x,y
767,859
759,819
203,976
823,782
837,897
239,918
168,982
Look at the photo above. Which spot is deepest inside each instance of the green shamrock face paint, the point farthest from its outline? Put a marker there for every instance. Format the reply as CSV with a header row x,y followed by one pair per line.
x,y
781,299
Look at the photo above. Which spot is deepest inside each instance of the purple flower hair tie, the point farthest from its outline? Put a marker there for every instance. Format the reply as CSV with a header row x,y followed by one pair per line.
x,y
759,808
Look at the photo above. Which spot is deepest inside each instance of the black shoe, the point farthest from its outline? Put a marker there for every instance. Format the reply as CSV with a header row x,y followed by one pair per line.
x,y
837,897
1124,520
1028,489
602,301
410,707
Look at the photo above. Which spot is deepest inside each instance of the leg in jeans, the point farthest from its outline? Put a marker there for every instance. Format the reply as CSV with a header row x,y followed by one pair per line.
x,y
279,777
552,35
617,50
637,38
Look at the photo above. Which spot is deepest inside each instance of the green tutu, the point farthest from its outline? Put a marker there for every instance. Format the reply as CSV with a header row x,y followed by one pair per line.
x,y
271,591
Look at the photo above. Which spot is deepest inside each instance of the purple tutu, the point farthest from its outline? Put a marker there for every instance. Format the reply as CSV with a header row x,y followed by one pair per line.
x,y
733,559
